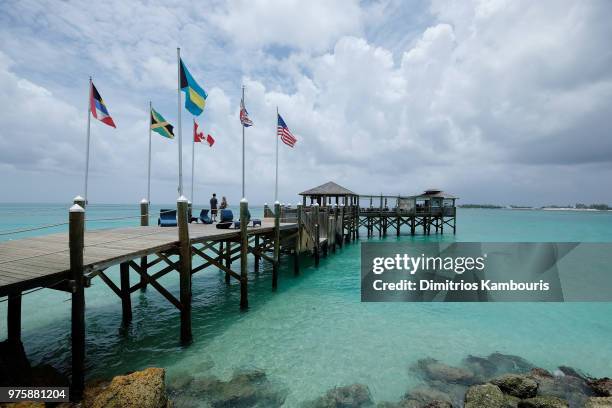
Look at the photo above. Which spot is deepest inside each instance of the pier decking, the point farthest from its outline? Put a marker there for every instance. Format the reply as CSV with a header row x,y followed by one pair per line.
x,y
69,261
44,261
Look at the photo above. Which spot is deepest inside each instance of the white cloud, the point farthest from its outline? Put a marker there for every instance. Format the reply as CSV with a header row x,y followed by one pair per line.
x,y
492,100
305,25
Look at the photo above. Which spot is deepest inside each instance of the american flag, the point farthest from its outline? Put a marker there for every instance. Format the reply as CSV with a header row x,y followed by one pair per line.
x,y
284,133
244,115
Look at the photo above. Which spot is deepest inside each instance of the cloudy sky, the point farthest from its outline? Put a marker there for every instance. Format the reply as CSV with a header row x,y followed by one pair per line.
x,y
496,101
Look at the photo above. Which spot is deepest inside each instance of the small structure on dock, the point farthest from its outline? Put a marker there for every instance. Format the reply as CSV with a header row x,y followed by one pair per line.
x,y
433,202
328,192
432,208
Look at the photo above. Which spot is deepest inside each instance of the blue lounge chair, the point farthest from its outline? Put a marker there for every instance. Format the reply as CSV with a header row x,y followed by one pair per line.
x,y
225,219
167,218
204,217
256,221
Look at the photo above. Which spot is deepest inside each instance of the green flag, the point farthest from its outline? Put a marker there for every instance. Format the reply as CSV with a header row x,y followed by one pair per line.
x,y
160,125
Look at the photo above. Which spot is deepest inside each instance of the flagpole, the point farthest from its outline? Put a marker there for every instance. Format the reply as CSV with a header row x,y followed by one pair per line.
x,y
276,183
243,196
88,138
180,135
149,163
192,161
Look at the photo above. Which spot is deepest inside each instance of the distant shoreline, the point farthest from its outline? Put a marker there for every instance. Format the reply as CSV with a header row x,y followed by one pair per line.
x,y
489,207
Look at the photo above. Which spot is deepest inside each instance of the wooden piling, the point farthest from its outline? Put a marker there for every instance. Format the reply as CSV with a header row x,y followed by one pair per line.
x,y
256,256
244,251
341,242
298,242
397,220
76,236
228,260
144,222
276,263
317,234
13,317
357,220
126,302
185,269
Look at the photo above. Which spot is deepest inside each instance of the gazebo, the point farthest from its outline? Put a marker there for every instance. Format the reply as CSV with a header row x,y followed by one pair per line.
x,y
328,192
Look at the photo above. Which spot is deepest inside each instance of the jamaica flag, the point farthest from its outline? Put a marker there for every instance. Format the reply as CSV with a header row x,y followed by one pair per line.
x,y
195,96
160,125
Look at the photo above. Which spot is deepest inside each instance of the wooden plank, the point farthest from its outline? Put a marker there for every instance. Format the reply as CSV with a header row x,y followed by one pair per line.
x,y
36,258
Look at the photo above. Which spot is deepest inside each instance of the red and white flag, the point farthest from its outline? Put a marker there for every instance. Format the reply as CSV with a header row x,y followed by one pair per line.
x,y
197,136
210,140
284,133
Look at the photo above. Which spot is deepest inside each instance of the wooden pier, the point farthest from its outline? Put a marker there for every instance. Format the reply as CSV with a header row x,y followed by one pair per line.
x,y
69,262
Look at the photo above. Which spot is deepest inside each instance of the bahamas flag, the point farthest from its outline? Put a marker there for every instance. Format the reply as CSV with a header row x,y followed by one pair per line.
x,y
160,125
195,96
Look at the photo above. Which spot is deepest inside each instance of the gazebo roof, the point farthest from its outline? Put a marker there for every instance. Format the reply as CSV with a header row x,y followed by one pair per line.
x,y
328,189
435,193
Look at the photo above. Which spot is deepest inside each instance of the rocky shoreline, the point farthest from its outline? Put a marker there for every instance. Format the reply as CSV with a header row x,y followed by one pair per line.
x,y
495,381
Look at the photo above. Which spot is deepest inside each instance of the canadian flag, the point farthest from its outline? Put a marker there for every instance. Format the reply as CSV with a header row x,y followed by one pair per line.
x,y
197,136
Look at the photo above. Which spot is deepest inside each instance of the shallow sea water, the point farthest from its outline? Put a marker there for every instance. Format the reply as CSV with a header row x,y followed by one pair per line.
x,y
314,333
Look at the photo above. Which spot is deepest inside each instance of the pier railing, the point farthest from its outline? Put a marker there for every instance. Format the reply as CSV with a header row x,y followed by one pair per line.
x,y
321,228
418,211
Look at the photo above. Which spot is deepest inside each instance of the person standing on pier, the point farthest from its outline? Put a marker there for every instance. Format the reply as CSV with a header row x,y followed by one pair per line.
x,y
213,207
223,204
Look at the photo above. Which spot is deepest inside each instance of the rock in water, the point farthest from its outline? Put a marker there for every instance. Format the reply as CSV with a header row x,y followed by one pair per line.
x,y
247,388
572,372
508,363
571,388
424,395
601,386
517,385
485,396
481,367
543,402
45,375
350,396
438,404
598,402
540,373
434,370
141,389
14,365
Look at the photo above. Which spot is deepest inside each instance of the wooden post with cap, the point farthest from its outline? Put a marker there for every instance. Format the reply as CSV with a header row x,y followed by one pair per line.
x,y
144,222
276,263
76,244
185,268
244,251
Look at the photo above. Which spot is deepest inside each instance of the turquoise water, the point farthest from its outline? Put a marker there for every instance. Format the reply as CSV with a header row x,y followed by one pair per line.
x,y
314,333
